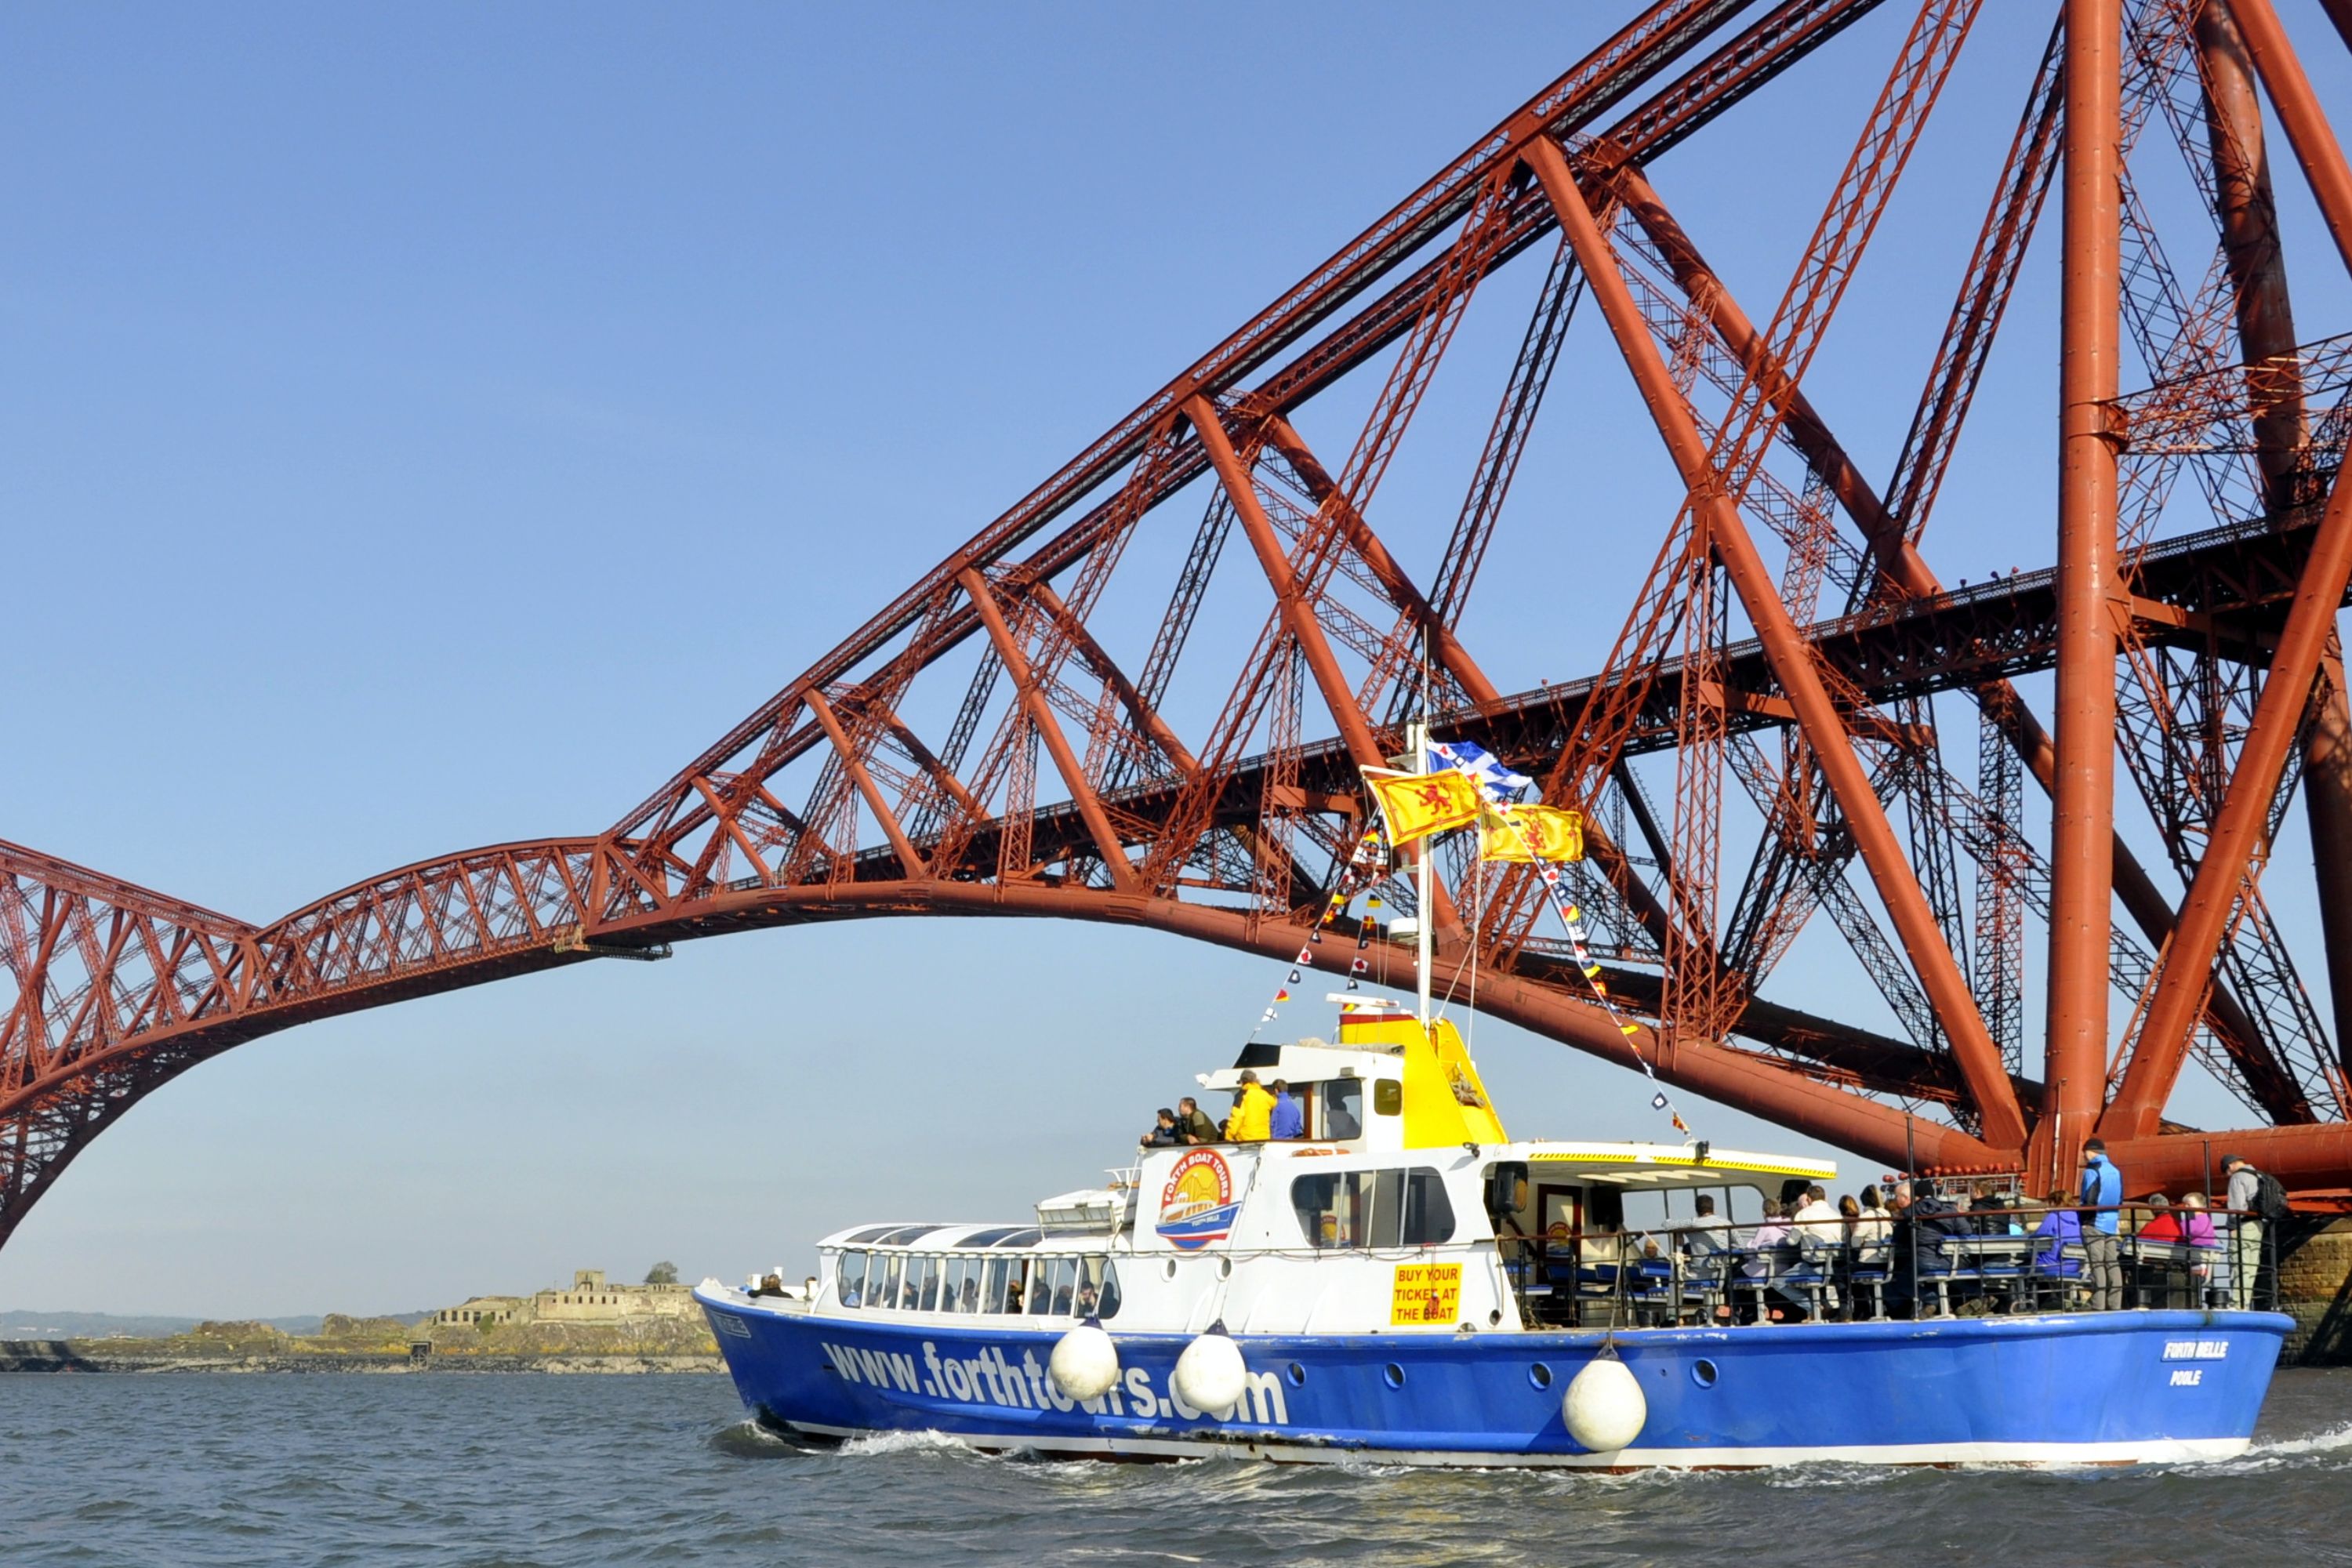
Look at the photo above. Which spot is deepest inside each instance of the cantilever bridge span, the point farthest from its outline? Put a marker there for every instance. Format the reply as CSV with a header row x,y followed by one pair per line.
x,y
1800,734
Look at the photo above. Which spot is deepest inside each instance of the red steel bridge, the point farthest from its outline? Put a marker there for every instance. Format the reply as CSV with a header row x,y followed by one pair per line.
x,y
996,740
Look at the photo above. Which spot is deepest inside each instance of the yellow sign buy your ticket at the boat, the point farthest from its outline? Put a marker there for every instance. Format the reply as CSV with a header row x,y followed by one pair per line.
x,y
1425,1293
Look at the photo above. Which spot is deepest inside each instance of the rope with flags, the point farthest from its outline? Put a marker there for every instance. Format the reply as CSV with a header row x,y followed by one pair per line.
x,y
1541,835
1367,866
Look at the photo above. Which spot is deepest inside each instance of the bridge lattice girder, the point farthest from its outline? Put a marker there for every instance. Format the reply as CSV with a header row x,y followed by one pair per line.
x,y
997,741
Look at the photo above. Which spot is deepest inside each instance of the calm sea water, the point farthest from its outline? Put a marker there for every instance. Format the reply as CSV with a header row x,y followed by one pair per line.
x,y
478,1469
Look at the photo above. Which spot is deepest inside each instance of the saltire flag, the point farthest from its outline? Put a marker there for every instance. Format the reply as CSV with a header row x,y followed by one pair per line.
x,y
1524,834
1480,764
1415,805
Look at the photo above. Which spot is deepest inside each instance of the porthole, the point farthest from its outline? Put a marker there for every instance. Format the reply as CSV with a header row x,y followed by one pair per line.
x,y
1297,1373
1168,1269
1393,1376
1703,1372
1225,1267
1540,1376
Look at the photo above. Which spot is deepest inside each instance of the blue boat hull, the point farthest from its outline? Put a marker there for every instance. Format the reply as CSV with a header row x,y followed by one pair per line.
x,y
2061,1388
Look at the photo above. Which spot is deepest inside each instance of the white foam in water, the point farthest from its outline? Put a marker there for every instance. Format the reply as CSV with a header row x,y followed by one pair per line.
x,y
905,1443
2337,1439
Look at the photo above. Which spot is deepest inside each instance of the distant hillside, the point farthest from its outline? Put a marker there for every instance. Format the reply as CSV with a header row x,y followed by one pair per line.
x,y
17,1325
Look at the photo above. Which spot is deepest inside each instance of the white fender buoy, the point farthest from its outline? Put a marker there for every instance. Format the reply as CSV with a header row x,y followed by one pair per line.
x,y
1210,1374
1604,1406
1085,1363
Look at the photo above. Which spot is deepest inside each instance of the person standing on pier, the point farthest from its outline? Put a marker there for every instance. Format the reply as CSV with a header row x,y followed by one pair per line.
x,y
2101,1196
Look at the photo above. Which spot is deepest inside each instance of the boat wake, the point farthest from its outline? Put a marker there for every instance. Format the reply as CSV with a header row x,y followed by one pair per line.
x,y
2332,1446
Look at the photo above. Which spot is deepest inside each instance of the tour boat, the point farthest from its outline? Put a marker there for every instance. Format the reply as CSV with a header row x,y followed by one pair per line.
x,y
1407,1284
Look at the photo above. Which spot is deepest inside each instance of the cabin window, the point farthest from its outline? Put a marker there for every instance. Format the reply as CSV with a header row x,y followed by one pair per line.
x,y
887,1268
1343,1108
849,1279
967,1298
951,1282
926,1292
987,1237
1053,1283
1329,1205
1097,1294
1388,1208
992,1294
1428,1213
1039,1296
1388,1096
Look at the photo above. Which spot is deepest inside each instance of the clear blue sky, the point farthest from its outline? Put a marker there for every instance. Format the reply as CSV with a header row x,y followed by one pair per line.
x,y
427,427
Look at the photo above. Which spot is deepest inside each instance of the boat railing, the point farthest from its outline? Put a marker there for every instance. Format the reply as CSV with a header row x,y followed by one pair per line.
x,y
1942,1264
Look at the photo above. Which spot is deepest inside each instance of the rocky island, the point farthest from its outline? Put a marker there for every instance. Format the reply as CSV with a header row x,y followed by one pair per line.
x,y
590,1325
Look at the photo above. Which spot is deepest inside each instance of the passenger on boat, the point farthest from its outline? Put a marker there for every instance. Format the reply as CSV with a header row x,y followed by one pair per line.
x,y
2244,1198
2196,1224
2160,1224
2197,1230
1013,1293
2062,1227
1701,1237
770,1285
1163,1130
1988,1215
2101,1194
1919,1223
1289,1117
1815,1221
1868,1233
1253,1115
1192,1123
1089,1300
1771,1239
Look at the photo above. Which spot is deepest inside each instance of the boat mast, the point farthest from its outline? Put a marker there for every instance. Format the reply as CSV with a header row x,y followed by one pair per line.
x,y
1417,742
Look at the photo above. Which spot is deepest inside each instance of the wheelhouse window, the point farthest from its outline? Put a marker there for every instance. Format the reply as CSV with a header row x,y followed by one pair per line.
x,y
1391,1208
1343,1107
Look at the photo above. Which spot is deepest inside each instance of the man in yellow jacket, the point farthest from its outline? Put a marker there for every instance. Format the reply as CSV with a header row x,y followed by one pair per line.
x,y
1252,1117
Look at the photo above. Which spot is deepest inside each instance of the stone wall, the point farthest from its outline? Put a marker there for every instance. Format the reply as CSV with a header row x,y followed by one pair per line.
x,y
2316,1286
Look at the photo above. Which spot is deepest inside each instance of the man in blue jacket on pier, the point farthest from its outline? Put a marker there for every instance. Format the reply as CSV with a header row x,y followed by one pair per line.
x,y
2102,1192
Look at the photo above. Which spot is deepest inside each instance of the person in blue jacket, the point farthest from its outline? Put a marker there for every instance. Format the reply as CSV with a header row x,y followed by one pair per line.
x,y
1290,1119
2102,1192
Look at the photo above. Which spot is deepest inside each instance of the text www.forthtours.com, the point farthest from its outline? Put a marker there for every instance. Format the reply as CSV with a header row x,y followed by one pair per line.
x,y
989,1378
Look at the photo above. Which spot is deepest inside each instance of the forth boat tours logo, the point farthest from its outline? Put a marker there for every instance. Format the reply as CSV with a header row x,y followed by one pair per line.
x,y
1197,1206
